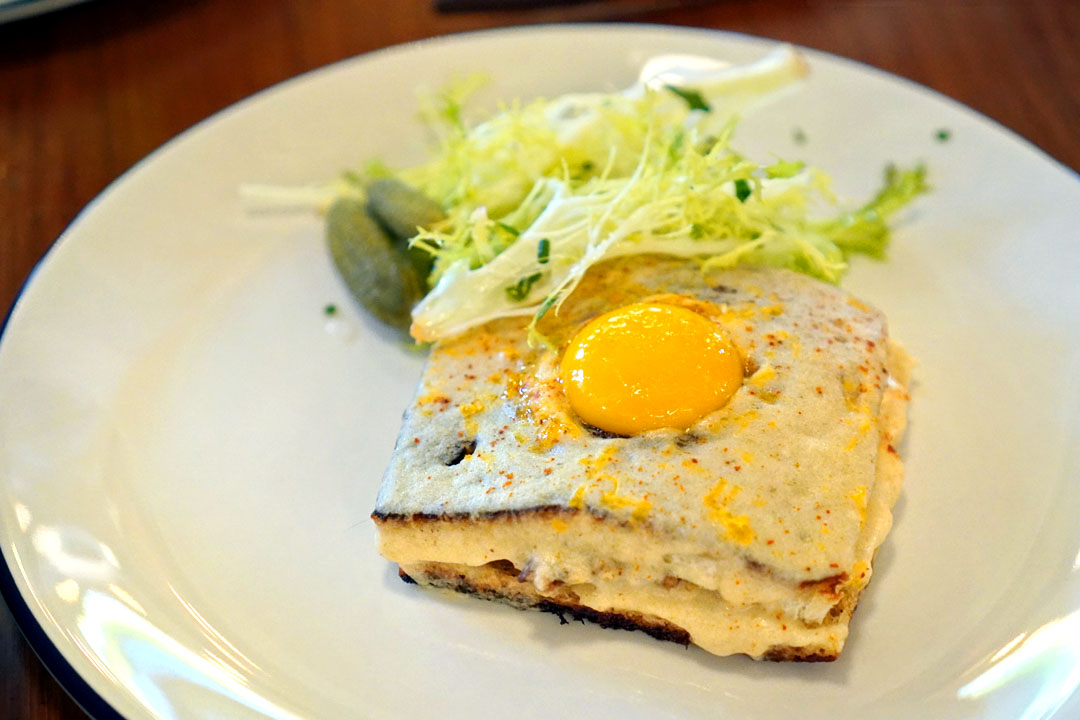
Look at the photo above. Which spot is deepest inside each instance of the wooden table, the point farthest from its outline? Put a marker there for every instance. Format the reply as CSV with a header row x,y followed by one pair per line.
x,y
87,91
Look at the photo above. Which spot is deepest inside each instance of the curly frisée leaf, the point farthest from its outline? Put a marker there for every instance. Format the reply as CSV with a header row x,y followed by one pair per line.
x,y
540,192
689,206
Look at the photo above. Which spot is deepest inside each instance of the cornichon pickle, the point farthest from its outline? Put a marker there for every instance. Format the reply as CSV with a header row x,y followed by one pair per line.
x,y
401,209
378,274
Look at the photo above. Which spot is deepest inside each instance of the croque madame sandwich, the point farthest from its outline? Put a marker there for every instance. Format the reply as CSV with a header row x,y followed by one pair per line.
x,y
707,457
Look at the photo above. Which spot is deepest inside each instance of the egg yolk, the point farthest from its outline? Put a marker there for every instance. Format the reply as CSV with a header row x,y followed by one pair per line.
x,y
648,366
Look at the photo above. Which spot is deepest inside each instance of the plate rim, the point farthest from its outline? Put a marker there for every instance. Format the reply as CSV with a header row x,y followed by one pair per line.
x,y
47,651
26,9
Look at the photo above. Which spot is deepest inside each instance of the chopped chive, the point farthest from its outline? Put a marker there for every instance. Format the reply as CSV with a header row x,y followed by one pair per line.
x,y
545,306
692,97
330,310
509,228
520,290
943,135
742,189
543,251
696,231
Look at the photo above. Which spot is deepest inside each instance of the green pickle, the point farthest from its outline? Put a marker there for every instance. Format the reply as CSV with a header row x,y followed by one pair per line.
x,y
402,209
379,274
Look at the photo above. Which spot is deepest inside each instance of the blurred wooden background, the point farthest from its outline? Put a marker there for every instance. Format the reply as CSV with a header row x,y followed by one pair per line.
x,y
87,91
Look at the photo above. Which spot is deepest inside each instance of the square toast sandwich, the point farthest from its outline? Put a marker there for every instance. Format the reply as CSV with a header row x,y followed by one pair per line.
x,y
750,531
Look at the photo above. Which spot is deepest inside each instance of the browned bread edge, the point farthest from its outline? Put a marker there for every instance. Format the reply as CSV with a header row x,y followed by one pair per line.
x,y
445,576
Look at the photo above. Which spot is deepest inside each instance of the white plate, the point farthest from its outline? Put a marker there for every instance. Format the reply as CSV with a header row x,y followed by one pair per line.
x,y
18,9
188,457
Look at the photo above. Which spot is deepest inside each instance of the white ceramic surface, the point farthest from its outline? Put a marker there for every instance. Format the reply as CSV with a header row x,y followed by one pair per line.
x,y
18,9
188,456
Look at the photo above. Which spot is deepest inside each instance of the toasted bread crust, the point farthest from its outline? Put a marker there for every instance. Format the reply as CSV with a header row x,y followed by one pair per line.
x,y
445,576
495,582
542,511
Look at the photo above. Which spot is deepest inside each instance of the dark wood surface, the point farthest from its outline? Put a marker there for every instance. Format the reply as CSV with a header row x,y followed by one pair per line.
x,y
87,91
